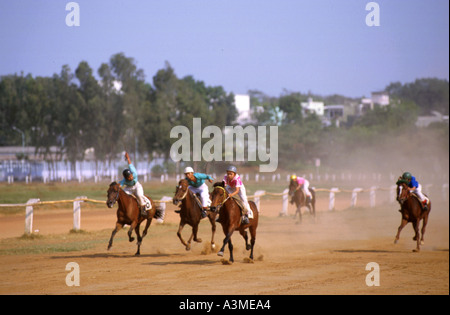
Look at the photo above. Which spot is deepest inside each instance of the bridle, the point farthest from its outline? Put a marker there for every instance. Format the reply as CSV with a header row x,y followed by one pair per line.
x,y
116,197
225,199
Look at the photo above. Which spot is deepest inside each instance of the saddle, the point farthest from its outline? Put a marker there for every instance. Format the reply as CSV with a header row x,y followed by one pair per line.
x,y
421,203
148,204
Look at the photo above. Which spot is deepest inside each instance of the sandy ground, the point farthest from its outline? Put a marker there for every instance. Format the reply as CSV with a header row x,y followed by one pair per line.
x,y
325,255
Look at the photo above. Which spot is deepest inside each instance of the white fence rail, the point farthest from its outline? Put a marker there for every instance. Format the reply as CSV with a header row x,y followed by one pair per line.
x,y
256,197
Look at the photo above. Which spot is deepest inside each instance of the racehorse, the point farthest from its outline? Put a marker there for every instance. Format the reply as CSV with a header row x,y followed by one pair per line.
x,y
129,213
300,200
230,218
412,211
191,213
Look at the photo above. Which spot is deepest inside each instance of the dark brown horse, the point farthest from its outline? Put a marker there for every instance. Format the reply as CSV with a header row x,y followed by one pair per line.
x,y
230,218
300,199
412,211
128,213
191,214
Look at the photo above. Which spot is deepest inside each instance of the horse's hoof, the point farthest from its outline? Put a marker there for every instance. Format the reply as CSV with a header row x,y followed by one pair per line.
x,y
248,260
395,241
422,243
213,246
198,240
249,247
188,248
220,254
131,239
416,250
137,254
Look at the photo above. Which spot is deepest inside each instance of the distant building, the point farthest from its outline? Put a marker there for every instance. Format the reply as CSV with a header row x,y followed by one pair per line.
x,y
311,107
377,98
380,98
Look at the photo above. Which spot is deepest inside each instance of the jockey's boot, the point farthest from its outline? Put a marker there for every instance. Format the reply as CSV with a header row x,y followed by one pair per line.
x,y
245,219
204,214
308,199
142,211
425,205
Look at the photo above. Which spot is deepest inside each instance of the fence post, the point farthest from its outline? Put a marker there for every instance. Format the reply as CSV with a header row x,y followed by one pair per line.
x,y
257,199
29,216
77,212
355,196
373,196
284,211
333,191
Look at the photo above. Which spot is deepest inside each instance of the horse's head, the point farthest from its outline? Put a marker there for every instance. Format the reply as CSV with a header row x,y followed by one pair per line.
x,y
113,194
218,196
402,191
292,187
180,191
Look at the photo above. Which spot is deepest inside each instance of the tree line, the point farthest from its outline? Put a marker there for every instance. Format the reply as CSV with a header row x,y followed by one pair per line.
x,y
73,111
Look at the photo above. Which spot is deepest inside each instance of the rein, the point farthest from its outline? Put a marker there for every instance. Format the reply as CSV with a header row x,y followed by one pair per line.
x,y
225,200
117,196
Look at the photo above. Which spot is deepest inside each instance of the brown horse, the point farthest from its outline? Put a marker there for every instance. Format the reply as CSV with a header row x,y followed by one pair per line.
x,y
300,200
128,213
230,218
191,213
412,211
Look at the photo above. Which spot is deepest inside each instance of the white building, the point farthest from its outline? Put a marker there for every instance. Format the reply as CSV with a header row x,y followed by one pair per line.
x,y
312,107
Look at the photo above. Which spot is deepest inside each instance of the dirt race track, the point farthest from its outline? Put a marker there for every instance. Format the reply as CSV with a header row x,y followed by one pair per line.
x,y
327,255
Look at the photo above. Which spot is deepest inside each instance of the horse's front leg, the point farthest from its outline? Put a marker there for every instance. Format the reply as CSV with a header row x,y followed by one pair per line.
x,y
118,227
130,231
400,228
180,228
213,231
194,234
225,242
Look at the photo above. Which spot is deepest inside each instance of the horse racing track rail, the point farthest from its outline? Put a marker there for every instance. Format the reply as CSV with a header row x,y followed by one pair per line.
x,y
29,210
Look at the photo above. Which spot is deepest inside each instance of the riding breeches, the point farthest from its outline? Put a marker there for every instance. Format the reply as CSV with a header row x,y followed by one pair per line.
x,y
306,189
137,191
204,194
418,192
243,195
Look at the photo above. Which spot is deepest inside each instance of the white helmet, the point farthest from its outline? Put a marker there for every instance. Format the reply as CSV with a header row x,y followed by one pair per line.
x,y
188,170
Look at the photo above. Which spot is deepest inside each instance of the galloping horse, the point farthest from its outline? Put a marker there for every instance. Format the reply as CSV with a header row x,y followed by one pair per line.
x,y
230,218
128,213
299,198
412,211
191,213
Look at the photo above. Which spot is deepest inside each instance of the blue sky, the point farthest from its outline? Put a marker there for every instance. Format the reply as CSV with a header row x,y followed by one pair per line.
x,y
321,46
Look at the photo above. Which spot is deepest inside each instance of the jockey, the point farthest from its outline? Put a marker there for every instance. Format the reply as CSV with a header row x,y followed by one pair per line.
x,y
415,187
302,183
234,186
132,186
197,186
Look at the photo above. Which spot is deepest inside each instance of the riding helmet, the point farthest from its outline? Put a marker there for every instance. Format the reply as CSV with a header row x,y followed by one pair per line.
x,y
126,173
232,168
407,175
